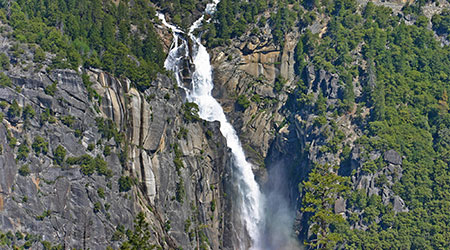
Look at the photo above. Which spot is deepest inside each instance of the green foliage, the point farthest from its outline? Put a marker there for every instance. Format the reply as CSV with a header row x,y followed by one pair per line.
x,y
209,134
139,238
177,159
243,102
14,110
107,150
232,17
101,193
97,207
102,167
279,83
321,190
68,120
24,170
28,112
282,21
3,104
50,89
47,116
23,151
404,86
190,111
11,139
180,191
183,133
5,81
89,165
441,22
125,183
95,33
88,84
4,61
44,215
59,155
39,55
108,129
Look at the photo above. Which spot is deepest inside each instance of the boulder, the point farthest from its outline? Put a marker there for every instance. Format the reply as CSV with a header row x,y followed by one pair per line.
x,y
339,206
393,157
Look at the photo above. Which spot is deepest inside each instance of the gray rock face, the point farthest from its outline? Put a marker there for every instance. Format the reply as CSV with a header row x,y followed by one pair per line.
x,y
393,157
185,204
339,206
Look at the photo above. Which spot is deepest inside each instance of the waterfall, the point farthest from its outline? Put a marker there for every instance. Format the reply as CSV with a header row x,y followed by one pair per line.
x,y
251,199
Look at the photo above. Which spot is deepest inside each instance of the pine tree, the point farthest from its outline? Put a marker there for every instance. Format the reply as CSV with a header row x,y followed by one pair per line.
x,y
321,191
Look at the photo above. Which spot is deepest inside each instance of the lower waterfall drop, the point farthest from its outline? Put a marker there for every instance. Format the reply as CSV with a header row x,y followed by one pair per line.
x,y
251,199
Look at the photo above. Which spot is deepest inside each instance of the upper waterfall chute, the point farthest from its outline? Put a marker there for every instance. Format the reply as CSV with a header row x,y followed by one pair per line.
x,y
251,199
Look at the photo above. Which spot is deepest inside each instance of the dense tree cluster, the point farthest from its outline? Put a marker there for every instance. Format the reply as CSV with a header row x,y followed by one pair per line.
x,y
405,84
231,19
119,38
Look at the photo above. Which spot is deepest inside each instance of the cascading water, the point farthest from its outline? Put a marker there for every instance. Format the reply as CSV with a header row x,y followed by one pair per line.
x,y
210,110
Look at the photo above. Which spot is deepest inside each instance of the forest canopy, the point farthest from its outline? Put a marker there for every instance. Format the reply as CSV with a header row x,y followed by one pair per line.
x,y
119,38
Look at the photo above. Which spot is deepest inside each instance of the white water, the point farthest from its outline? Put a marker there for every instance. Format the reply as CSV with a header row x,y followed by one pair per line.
x,y
210,110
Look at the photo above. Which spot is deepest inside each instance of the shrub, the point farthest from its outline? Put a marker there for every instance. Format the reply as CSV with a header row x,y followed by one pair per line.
x,y
279,83
4,61
24,170
50,89
243,102
3,104
39,55
89,165
183,133
256,98
107,150
102,167
44,214
125,183
108,129
101,192
87,169
23,151
68,120
80,160
14,110
191,112
47,116
59,155
11,139
28,112
97,207
5,81
180,191
209,134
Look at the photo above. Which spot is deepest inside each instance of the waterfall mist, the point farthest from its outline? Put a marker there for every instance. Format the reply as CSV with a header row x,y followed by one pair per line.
x,y
279,212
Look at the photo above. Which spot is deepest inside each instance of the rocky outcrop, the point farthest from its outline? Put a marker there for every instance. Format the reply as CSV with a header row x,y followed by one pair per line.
x,y
280,127
250,67
180,168
52,199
